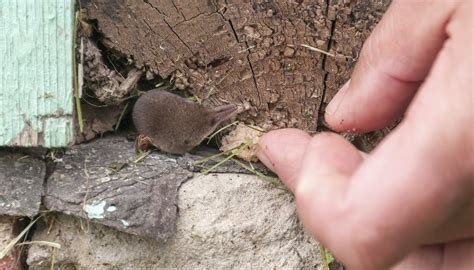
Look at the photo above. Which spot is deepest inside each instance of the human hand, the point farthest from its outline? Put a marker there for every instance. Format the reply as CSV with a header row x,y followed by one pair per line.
x,y
411,201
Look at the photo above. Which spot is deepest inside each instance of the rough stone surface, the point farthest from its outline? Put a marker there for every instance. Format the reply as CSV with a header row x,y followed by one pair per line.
x,y
226,221
21,184
99,181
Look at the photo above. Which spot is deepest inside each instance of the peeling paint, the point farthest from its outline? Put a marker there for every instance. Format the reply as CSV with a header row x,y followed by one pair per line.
x,y
27,136
95,210
125,223
111,208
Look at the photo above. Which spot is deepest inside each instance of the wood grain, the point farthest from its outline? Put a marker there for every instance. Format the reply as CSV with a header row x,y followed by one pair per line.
x,y
36,52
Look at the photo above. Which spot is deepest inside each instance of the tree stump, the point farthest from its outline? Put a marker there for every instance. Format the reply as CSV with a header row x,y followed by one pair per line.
x,y
253,53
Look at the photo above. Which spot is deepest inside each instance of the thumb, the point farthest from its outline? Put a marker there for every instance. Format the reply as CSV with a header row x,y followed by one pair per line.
x,y
327,165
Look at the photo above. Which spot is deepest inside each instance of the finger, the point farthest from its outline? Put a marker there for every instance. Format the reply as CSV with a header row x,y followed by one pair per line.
x,y
423,258
394,61
282,152
459,226
418,178
459,254
454,111
454,255
399,195
328,163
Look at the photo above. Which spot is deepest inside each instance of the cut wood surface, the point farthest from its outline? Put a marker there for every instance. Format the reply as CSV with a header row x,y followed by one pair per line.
x,y
244,52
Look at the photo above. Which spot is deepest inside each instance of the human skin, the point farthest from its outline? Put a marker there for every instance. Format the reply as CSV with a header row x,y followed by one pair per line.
x,y
410,203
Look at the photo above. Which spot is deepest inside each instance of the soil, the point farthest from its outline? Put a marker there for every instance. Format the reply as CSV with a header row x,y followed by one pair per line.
x,y
242,52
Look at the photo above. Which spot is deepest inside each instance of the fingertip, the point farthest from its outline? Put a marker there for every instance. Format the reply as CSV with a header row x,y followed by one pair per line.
x,y
282,152
390,69
337,107
343,114
335,103
274,143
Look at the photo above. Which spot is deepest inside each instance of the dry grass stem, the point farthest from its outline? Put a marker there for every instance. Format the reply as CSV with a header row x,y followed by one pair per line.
x,y
6,250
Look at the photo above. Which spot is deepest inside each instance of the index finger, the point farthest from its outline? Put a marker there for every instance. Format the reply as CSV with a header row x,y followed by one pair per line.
x,y
394,61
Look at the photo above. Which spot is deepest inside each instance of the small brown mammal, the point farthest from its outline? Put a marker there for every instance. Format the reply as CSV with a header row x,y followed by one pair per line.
x,y
174,124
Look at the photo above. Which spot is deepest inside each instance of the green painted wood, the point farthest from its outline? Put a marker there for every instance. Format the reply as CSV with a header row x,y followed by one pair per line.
x,y
36,90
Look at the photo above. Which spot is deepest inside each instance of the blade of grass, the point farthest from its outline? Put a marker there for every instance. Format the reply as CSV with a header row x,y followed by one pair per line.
x,y
121,116
206,159
117,166
326,257
264,177
12,243
255,128
220,130
141,156
77,98
41,243
317,50
195,99
23,157
53,258
234,153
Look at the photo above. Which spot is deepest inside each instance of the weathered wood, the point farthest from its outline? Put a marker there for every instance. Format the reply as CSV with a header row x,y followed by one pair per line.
x,y
244,52
352,22
36,50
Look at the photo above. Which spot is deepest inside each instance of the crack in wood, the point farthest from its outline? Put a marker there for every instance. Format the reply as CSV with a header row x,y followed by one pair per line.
x,y
166,22
247,48
197,16
155,8
289,86
169,26
177,36
253,74
326,73
177,9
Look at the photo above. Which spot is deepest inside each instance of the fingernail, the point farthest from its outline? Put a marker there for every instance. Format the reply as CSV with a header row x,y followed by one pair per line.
x,y
262,156
337,99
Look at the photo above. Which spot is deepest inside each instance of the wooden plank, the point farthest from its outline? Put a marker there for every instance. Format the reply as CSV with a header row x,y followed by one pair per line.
x,y
36,92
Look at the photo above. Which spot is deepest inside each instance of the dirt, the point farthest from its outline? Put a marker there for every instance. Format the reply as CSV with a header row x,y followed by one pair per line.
x,y
242,52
